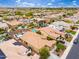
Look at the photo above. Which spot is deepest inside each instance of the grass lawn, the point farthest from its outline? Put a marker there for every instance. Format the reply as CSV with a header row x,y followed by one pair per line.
x,y
60,47
69,39
68,21
71,31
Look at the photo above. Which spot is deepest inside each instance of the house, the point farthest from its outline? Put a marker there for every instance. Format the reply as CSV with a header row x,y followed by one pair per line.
x,y
54,15
60,25
14,22
39,19
74,17
46,20
36,41
13,50
3,25
51,32
25,20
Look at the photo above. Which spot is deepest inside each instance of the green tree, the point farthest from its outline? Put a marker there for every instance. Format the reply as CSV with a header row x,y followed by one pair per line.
x,y
44,53
29,14
18,13
64,15
70,13
1,31
68,21
73,27
32,25
49,38
5,18
39,32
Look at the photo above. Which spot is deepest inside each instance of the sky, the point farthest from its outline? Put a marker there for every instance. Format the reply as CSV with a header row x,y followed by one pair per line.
x,y
39,3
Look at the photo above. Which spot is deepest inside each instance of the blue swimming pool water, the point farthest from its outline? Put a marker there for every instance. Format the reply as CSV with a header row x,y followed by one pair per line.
x,y
33,30
2,55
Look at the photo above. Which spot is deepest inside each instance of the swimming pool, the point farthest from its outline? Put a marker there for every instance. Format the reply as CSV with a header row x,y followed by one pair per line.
x,y
2,55
34,30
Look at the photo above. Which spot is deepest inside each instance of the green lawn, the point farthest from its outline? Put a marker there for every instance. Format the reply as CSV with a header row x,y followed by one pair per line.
x,y
60,47
68,21
68,39
71,31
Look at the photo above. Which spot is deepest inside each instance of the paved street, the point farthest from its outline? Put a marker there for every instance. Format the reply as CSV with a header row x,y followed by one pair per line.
x,y
74,52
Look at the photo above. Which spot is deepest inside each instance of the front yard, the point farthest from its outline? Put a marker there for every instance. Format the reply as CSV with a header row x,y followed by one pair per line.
x,y
71,32
60,48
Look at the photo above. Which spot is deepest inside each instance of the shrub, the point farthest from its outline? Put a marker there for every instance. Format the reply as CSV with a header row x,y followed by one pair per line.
x,y
1,31
68,21
44,53
49,38
29,14
60,46
18,13
5,18
70,31
74,27
38,32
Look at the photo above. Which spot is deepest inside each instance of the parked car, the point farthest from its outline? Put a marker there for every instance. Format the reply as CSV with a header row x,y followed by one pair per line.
x,y
76,41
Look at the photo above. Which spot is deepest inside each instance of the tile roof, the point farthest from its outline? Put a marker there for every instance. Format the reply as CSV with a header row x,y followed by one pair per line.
x,y
36,40
52,32
14,22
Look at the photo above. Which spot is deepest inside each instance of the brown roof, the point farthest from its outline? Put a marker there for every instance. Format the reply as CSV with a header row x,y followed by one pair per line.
x,y
14,22
36,40
52,32
13,51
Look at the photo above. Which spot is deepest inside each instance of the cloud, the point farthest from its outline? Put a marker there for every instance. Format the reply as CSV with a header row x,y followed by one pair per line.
x,y
26,4
49,4
21,3
74,3
18,1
